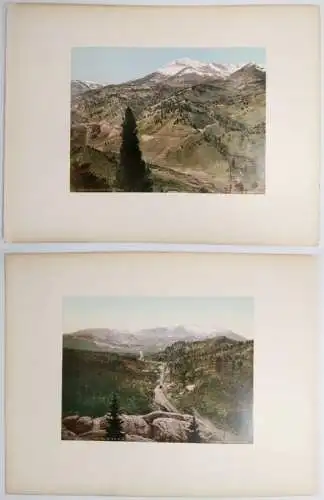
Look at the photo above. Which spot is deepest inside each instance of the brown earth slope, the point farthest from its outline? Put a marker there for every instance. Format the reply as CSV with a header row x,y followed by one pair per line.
x,y
196,137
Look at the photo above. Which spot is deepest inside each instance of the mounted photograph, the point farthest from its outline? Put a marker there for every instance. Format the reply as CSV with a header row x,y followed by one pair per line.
x,y
158,369
168,120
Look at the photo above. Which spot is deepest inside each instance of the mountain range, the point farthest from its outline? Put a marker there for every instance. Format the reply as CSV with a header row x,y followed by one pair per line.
x,y
176,72
147,340
201,128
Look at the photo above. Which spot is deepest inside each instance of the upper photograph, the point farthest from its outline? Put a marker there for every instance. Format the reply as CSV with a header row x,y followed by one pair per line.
x,y
186,120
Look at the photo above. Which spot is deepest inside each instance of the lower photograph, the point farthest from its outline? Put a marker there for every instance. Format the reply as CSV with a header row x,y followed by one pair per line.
x,y
148,374
162,369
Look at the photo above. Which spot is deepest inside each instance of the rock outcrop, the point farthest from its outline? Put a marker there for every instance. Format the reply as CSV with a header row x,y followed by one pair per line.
x,y
136,425
100,423
84,424
169,430
94,435
158,426
67,435
150,417
70,422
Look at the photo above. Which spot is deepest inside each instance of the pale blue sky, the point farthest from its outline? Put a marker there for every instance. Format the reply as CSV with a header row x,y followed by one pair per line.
x,y
119,64
134,313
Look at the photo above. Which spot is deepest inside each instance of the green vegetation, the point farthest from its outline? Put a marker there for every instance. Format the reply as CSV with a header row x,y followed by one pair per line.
x,y
90,379
221,375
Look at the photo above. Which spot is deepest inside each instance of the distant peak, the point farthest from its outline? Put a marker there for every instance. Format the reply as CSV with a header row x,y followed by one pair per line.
x,y
178,65
250,65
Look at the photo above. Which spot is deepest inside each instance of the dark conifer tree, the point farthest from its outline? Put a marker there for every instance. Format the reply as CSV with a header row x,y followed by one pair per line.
x,y
114,429
133,175
193,432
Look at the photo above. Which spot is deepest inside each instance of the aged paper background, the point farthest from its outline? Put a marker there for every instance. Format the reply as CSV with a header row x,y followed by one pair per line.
x,y
282,460
38,204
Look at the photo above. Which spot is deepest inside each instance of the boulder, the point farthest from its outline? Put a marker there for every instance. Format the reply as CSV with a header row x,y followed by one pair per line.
x,y
150,417
100,423
94,435
169,430
135,425
84,424
67,435
70,422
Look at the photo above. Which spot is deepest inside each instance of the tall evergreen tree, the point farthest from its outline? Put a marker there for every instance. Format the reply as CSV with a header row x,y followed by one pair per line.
x,y
114,429
133,175
193,432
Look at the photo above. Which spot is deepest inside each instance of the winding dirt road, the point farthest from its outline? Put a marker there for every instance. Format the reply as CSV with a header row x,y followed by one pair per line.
x,y
160,398
162,401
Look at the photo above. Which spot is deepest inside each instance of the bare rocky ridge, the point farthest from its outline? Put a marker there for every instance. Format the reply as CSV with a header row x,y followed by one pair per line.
x,y
201,129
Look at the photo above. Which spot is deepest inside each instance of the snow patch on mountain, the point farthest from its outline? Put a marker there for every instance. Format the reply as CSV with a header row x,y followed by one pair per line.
x,y
87,84
248,66
188,66
178,65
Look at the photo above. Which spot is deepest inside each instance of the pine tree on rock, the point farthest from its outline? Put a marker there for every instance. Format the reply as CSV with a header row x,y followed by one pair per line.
x,y
133,174
114,429
193,432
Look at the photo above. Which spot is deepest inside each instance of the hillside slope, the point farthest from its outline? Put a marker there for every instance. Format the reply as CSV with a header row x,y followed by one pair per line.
x,y
214,376
199,134
89,378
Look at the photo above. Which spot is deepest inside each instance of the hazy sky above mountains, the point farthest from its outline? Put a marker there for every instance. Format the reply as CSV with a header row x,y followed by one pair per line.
x,y
135,313
119,64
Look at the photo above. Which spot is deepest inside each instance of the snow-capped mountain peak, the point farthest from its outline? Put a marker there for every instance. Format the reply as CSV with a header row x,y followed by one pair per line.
x,y
178,65
249,65
78,87
189,66
87,83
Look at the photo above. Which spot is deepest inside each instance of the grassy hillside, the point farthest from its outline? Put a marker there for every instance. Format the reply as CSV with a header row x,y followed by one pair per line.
x,y
90,378
213,376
